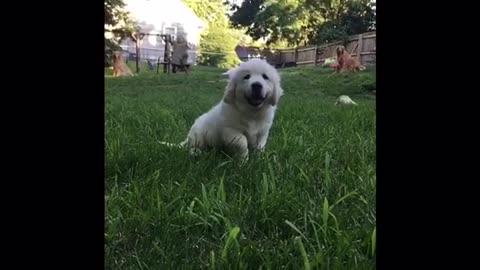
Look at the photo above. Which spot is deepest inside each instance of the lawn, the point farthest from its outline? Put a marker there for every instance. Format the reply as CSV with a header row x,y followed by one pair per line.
x,y
307,202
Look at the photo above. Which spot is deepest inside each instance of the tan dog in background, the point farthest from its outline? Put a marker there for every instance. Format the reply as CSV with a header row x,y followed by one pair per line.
x,y
119,67
347,62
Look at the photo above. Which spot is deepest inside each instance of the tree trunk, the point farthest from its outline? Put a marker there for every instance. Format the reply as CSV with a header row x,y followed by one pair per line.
x,y
137,47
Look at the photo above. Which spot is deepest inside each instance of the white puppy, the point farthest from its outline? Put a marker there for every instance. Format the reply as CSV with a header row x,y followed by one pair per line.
x,y
242,120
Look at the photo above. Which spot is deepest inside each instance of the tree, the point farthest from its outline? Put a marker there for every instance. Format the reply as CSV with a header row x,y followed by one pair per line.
x,y
218,41
119,24
303,22
275,20
356,17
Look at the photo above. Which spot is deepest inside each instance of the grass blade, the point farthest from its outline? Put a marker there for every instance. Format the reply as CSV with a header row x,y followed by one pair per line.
x,y
231,237
374,240
306,262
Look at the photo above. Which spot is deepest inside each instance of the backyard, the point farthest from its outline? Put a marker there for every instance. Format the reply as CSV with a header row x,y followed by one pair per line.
x,y
307,202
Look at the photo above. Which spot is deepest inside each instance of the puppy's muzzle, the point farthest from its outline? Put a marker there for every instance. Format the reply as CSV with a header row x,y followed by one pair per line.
x,y
257,91
256,97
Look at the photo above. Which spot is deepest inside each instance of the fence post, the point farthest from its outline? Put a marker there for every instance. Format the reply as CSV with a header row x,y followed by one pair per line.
x,y
360,49
316,55
296,54
136,37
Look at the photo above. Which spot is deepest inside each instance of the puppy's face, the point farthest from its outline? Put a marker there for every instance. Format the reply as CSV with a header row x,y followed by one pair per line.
x,y
255,83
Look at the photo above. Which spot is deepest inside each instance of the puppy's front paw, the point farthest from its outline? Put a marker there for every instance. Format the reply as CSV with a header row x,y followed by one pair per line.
x,y
261,149
244,160
195,152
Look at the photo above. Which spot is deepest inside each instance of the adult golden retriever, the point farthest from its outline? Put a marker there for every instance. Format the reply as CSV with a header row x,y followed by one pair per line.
x,y
119,67
241,121
347,62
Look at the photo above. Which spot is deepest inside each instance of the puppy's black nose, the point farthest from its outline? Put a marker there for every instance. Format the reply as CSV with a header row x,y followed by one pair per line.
x,y
257,90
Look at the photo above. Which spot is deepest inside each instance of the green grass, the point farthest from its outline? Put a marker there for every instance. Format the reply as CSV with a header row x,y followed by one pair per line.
x,y
308,202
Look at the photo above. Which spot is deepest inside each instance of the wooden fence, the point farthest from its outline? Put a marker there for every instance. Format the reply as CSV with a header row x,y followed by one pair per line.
x,y
362,46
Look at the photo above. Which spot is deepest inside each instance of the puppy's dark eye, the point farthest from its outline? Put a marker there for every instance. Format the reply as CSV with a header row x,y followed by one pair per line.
x,y
265,76
246,77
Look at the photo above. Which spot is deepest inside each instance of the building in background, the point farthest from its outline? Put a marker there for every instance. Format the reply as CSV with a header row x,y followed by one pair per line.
x,y
163,17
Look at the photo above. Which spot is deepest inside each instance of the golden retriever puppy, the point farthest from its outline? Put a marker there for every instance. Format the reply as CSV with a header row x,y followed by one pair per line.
x,y
241,121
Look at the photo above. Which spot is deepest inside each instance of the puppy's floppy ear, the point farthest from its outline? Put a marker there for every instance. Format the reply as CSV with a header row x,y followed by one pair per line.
x,y
229,95
277,90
